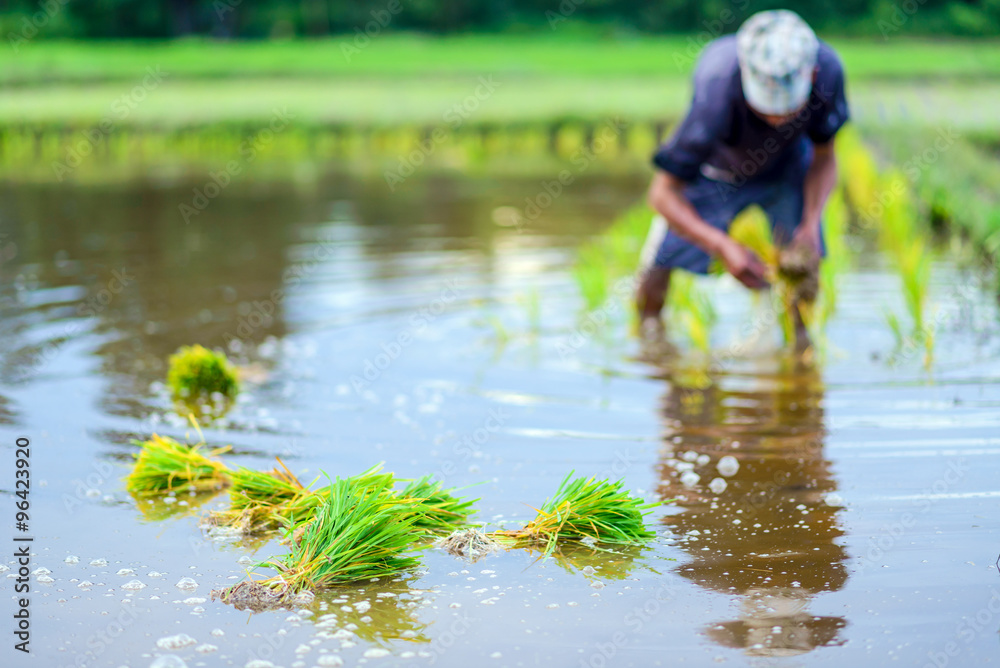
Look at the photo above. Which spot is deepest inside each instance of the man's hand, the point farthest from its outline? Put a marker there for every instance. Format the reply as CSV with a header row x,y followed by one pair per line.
x,y
746,267
807,236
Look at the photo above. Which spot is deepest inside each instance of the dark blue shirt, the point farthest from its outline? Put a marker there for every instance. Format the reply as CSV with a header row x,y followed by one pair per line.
x,y
724,140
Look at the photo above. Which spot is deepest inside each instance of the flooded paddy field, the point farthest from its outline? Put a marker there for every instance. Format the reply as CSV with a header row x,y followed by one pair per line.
x,y
839,514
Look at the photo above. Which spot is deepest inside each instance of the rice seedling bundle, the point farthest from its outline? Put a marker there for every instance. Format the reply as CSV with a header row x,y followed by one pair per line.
x,y
196,371
586,508
164,465
437,510
361,530
263,500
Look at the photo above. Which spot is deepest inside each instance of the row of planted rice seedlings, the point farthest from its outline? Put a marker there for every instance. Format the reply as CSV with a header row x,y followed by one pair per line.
x,y
76,146
861,195
885,202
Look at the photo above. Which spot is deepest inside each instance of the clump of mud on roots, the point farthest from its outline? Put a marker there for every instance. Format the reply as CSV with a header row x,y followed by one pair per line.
x,y
470,544
799,265
257,597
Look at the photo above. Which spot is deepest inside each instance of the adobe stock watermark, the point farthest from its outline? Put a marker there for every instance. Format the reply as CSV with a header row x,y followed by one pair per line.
x,y
120,109
454,117
597,319
261,312
566,9
91,308
581,160
470,445
30,25
373,367
983,621
381,18
8,249
890,534
248,150
913,167
900,14
713,28
101,640
635,620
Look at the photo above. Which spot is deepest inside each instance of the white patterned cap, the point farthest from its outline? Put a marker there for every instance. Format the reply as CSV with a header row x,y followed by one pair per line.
x,y
777,52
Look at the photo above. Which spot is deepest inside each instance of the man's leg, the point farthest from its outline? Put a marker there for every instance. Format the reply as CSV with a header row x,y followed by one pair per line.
x,y
664,250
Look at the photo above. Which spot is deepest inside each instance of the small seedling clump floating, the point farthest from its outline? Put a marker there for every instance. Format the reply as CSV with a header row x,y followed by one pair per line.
x,y
586,508
197,372
164,465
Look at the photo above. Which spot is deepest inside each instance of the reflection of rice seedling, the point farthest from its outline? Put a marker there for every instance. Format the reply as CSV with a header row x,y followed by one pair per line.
x,y
164,465
361,531
386,618
597,562
196,371
533,309
585,508
437,509
157,508
691,308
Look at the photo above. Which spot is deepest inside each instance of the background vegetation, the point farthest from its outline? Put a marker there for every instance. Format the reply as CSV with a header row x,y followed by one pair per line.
x,y
287,18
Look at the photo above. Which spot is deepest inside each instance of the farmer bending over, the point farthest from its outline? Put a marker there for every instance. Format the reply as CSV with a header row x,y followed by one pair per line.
x,y
767,104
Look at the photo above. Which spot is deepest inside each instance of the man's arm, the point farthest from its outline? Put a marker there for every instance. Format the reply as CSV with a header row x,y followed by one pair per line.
x,y
821,178
666,196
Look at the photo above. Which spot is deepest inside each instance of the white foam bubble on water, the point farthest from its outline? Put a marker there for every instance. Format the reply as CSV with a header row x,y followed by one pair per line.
x,y
124,572
133,585
329,660
99,562
179,641
376,653
186,583
690,478
718,485
728,466
168,661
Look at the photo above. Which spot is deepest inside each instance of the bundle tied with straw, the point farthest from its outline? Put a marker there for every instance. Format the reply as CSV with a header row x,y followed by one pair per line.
x,y
585,508
164,465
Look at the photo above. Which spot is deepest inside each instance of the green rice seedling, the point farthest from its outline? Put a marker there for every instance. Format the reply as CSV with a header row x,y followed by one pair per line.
x,y
264,500
437,509
196,372
691,309
361,530
859,174
592,276
532,303
585,508
164,465
904,244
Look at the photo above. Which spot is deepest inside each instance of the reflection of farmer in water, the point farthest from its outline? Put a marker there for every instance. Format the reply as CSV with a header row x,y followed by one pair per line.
x,y
767,535
767,104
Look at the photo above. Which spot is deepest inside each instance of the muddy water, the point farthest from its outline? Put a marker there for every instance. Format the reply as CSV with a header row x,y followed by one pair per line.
x,y
855,525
